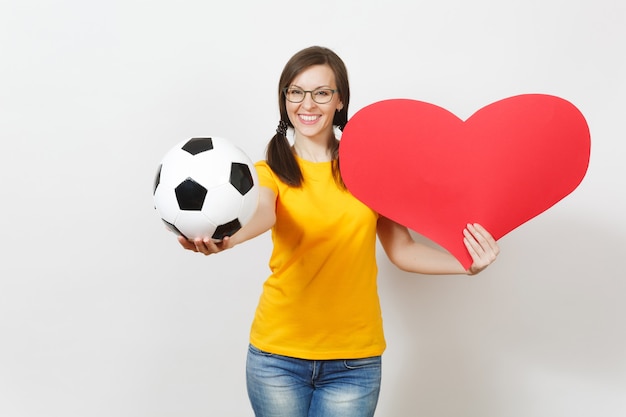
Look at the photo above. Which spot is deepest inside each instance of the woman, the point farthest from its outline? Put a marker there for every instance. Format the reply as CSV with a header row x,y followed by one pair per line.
x,y
317,337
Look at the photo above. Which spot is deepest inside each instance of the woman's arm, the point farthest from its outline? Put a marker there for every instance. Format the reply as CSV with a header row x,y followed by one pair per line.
x,y
262,220
412,256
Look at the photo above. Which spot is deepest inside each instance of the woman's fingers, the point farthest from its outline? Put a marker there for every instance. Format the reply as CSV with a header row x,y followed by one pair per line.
x,y
481,245
206,246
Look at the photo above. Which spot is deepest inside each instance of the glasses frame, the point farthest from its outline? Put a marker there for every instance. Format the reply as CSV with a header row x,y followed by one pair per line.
x,y
332,94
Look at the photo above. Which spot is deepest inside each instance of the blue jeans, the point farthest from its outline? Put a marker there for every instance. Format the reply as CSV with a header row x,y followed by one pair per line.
x,y
281,386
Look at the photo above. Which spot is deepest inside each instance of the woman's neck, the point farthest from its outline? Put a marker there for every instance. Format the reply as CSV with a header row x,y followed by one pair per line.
x,y
312,151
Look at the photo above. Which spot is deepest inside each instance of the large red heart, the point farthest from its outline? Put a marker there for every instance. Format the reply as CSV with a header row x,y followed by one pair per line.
x,y
425,168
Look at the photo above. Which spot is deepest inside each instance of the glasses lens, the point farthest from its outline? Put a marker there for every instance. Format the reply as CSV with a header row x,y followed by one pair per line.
x,y
295,95
322,95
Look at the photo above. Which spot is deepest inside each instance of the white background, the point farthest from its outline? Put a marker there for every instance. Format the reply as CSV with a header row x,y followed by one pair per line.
x,y
103,314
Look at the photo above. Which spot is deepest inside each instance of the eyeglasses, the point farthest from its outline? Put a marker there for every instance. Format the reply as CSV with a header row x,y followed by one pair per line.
x,y
319,95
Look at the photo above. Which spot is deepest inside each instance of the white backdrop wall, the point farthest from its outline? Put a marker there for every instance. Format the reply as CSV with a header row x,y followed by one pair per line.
x,y
103,314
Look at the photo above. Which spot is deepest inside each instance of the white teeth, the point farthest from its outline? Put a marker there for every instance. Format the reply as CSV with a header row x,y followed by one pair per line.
x,y
308,118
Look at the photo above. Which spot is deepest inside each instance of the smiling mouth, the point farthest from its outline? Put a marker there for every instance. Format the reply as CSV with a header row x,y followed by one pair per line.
x,y
308,118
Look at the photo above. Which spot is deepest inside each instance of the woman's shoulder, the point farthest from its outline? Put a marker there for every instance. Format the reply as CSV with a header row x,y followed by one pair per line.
x,y
267,177
263,168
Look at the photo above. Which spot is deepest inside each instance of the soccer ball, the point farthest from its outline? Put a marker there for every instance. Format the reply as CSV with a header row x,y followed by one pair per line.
x,y
205,187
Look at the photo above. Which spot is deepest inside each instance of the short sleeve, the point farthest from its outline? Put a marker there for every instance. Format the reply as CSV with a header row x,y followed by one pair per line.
x,y
267,178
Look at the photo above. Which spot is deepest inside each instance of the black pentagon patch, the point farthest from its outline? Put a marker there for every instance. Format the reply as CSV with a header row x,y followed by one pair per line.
x,y
157,179
241,178
190,195
227,229
174,229
197,145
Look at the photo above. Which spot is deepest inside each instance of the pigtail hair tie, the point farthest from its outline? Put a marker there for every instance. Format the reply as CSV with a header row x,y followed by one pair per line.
x,y
282,128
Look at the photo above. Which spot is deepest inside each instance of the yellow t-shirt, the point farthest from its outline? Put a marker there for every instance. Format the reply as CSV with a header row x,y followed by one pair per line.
x,y
321,299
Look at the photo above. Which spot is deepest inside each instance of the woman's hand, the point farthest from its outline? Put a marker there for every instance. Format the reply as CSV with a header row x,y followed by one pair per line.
x,y
206,246
482,247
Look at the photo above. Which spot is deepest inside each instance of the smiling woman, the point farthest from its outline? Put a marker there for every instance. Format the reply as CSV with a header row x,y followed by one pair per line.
x,y
317,336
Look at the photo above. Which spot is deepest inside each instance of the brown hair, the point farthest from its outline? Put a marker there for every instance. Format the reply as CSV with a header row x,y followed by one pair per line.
x,y
279,155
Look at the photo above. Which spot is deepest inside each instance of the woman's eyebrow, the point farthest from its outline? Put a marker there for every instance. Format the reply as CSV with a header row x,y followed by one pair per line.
x,y
321,86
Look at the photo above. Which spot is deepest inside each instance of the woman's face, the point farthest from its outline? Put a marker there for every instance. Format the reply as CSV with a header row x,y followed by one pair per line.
x,y
310,119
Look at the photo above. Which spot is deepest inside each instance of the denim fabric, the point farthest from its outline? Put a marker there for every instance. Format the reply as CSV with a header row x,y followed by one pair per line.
x,y
281,386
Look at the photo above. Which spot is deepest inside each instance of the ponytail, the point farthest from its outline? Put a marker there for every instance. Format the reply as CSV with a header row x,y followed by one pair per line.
x,y
281,159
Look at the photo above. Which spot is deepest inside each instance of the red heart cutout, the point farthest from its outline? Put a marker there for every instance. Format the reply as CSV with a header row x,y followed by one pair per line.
x,y
425,168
